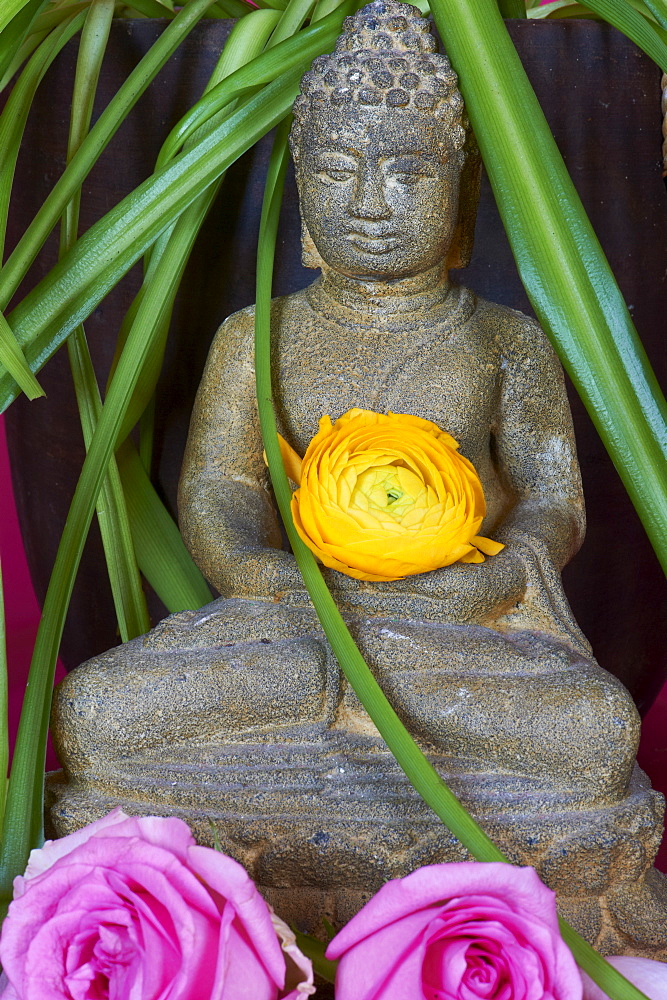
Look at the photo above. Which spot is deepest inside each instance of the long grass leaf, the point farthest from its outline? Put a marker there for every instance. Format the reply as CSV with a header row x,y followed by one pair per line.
x,y
12,357
563,9
15,113
93,44
67,295
23,817
512,8
32,42
96,141
112,514
293,18
124,577
245,42
13,36
55,15
624,17
323,8
559,258
10,10
291,52
230,9
659,10
419,770
611,982
152,8
161,552
162,556
560,9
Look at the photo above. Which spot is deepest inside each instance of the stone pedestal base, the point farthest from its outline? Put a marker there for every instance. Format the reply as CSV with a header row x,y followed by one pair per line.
x,y
322,821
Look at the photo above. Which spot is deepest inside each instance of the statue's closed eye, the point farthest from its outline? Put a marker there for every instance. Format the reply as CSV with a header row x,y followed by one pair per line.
x,y
337,173
408,177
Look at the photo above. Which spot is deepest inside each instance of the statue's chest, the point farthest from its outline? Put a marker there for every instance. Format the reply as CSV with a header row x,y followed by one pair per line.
x,y
453,384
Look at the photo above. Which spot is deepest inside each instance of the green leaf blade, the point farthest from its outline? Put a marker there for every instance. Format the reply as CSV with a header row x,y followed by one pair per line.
x,y
12,9
15,113
74,287
642,32
126,588
12,357
13,36
161,552
15,268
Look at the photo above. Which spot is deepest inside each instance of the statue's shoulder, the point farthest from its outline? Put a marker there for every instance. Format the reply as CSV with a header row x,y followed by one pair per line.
x,y
520,338
234,335
237,333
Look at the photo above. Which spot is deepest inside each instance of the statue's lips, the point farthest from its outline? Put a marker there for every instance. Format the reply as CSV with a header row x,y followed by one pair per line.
x,y
372,243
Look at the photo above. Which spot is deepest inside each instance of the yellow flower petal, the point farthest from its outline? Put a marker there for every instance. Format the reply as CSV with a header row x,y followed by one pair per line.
x,y
291,460
383,496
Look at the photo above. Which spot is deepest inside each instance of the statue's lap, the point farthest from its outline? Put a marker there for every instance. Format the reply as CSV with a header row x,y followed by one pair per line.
x,y
519,703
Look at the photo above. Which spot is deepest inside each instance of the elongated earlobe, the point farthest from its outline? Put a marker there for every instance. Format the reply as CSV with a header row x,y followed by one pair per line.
x,y
309,253
460,251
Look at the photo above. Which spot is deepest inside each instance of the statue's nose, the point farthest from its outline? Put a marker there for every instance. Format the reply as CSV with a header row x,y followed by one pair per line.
x,y
368,201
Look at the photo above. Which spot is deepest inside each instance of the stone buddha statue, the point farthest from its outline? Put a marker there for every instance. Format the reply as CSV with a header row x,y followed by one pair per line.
x,y
237,715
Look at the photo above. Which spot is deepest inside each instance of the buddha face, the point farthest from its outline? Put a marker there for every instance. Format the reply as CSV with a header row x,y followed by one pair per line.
x,y
379,190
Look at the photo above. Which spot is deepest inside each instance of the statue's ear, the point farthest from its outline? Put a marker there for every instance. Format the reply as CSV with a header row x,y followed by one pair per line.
x,y
460,251
310,256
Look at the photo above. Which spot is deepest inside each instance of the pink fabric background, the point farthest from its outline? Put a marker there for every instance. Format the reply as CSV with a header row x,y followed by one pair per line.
x,y
22,613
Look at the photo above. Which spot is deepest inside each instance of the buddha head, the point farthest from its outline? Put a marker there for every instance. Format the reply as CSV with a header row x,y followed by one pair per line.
x,y
387,169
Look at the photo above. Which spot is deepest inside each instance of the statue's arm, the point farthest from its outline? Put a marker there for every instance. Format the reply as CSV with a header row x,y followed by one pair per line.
x,y
534,447
226,512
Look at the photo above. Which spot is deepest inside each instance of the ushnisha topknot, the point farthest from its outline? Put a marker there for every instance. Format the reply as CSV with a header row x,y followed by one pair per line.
x,y
385,55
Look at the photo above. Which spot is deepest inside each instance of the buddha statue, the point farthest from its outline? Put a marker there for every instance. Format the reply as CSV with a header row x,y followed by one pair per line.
x,y
237,716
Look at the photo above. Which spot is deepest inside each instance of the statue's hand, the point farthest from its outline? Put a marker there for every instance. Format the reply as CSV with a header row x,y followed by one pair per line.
x,y
260,572
467,593
474,592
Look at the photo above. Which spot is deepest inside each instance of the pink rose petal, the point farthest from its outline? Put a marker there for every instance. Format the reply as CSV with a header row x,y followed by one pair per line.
x,y
463,931
131,909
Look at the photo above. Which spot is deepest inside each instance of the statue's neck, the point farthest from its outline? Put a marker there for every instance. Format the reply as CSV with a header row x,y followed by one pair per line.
x,y
370,301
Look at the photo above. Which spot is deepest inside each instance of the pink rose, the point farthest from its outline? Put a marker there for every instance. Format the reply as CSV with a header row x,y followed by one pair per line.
x,y
457,932
132,909
648,976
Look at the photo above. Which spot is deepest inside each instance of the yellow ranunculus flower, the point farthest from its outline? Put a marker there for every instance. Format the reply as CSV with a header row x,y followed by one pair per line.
x,y
381,497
